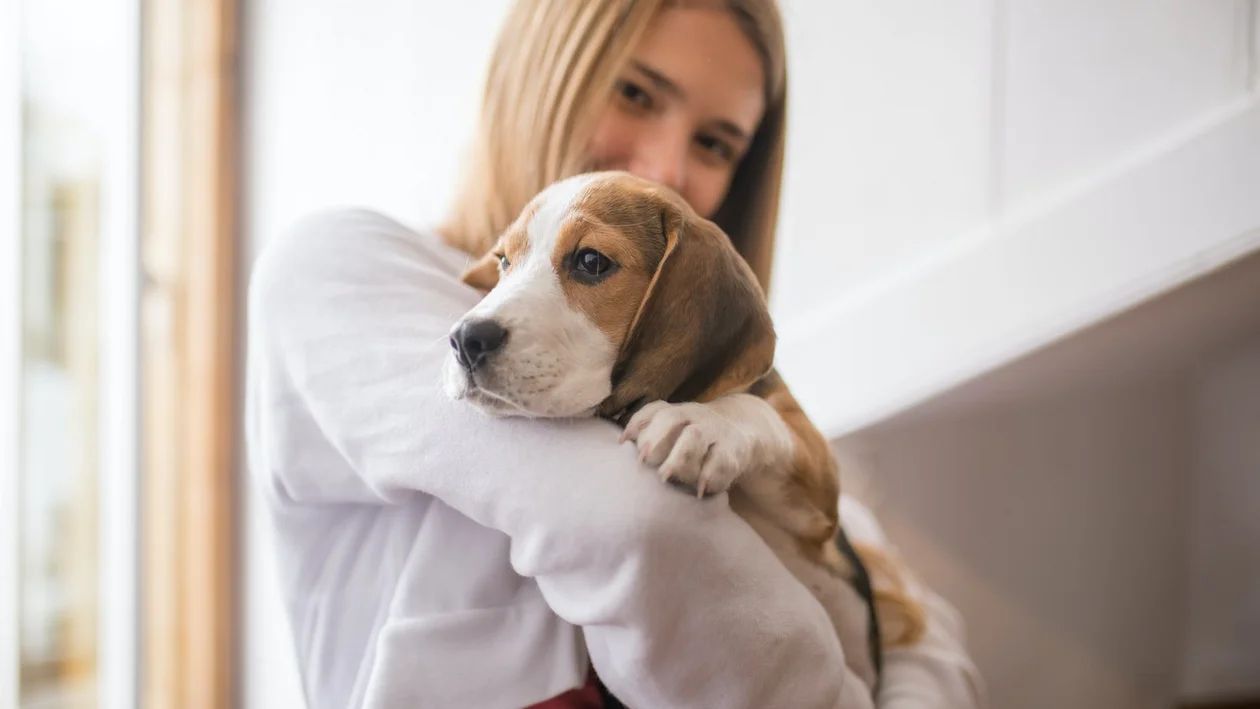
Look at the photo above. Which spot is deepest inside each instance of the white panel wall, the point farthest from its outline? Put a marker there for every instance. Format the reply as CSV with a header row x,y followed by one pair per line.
x,y
889,126
1087,82
1117,156
1222,655
936,118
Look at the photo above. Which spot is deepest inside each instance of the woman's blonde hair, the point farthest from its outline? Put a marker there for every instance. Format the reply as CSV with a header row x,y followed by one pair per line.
x,y
552,72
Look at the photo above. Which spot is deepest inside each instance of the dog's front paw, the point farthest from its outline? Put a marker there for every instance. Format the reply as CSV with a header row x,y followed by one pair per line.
x,y
697,445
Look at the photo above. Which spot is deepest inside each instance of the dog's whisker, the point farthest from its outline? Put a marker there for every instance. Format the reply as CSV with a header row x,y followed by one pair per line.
x,y
441,340
502,400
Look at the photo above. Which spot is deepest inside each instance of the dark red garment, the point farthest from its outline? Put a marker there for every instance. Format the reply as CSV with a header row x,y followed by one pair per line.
x,y
585,697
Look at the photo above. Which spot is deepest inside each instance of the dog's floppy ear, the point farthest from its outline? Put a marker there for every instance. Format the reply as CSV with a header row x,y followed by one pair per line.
x,y
484,274
702,329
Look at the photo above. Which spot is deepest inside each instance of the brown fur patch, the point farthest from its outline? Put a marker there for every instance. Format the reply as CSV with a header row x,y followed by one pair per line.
x,y
702,328
610,304
815,479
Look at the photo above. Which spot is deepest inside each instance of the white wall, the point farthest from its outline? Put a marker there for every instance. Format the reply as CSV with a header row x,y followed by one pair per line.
x,y
913,124
1222,654
888,139
1041,165
364,103
1088,81
1057,526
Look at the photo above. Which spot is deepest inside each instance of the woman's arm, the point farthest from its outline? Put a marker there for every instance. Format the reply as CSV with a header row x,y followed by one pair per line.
x,y
681,603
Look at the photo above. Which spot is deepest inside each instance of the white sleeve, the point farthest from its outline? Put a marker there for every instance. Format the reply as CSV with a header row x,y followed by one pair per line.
x,y
937,672
682,605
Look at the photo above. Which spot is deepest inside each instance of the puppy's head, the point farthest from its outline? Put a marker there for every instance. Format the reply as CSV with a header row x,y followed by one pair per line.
x,y
608,292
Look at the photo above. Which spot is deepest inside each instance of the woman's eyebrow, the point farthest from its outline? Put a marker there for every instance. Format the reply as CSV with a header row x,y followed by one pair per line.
x,y
659,80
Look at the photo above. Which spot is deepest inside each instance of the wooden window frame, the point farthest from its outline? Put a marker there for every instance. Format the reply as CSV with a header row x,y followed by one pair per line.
x,y
189,331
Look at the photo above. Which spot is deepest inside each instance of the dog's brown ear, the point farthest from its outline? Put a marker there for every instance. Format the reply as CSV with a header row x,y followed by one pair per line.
x,y
702,329
484,274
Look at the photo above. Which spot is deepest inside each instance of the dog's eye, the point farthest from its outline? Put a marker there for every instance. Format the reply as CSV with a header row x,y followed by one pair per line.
x,y
503,261
592,263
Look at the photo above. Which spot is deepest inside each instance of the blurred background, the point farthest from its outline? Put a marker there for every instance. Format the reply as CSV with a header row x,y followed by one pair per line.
x,y
1018,285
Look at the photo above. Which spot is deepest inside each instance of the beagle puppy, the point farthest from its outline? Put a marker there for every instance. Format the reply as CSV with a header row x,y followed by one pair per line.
x,y
610,296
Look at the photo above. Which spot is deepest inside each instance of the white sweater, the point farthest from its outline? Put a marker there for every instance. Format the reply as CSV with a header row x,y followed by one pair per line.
x,y
432,556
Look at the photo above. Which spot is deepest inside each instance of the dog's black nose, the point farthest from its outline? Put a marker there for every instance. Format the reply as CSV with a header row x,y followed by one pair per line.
x,y
474,340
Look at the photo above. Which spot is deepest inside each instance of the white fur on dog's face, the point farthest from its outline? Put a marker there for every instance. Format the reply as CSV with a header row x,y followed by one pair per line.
x,y
556,361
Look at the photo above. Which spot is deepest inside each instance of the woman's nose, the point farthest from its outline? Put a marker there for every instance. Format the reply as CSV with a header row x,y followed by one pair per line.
x,y
663,161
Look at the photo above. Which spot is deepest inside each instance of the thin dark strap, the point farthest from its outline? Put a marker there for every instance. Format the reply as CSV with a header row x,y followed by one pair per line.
x,y
610,702
862,581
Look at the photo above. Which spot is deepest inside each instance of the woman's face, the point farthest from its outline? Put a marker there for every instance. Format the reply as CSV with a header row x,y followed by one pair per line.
x,y
684,110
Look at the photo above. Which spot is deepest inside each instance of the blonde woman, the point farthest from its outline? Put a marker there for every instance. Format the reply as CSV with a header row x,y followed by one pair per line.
x,y
432,557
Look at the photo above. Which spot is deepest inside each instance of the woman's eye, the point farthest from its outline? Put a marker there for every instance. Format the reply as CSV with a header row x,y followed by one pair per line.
x,y
717,148
592,263
503,261
634,95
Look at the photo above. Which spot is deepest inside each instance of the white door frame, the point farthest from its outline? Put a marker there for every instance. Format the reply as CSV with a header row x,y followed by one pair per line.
x,y
119,471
